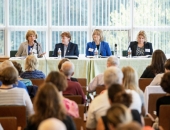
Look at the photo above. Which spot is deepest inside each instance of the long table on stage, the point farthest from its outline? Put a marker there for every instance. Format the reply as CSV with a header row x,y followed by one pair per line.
x,y
88,67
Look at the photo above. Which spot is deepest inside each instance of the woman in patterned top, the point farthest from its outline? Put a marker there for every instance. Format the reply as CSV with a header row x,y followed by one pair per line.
x,y
141,47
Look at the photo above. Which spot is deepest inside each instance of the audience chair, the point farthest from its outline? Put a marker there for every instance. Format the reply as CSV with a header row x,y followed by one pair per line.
x,y
164,117
50,53
80,125
148,121
15,111
76,98
12,53
152,102
99,89
37,82
143,82
8,123
82,81
84,90
82,109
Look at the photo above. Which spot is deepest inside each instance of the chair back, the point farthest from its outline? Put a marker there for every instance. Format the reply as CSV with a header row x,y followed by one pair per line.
x,y
143,82
50,53
148,121
79,124
12,53
37,82
76,98
82,81
99,89
164,117
152,102
15,111
8,123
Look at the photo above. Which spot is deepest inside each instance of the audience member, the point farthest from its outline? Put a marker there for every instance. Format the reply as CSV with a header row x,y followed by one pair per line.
x,y
154,68
99,79
141,47
47,104
102,46
158,77
165,84
27,82
67,48
8,63
74,88
59,68
61,84
52,124
31,71
10,95
117,94
130,82
116,115
100,104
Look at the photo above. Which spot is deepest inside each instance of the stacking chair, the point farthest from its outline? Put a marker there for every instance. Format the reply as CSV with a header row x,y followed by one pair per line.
x,y
50,53
164,117
76,98
99,89
12,53
15,111
152,102
143,82
8,123
82,81
37,82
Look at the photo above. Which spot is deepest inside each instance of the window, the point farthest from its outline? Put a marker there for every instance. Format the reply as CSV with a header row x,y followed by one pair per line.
x,y
120,21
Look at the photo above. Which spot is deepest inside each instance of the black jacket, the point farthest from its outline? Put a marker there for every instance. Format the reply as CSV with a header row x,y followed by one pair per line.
x,y
72,50
147,45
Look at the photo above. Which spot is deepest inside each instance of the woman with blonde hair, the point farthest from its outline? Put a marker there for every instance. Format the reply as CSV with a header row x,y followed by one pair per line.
x,y
31,71
130,82
102,46
48,104
30,46
141,47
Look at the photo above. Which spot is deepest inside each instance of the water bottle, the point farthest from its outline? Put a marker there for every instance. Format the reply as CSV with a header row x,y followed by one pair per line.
x,y
115,52
59,53
96,53
129,53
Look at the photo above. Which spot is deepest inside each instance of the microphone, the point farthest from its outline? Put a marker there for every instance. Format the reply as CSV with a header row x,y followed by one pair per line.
x,y
115,53
37,47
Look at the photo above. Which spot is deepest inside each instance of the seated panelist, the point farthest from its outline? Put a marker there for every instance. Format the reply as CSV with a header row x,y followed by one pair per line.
x,y
30,46
67,48
102,46
141,47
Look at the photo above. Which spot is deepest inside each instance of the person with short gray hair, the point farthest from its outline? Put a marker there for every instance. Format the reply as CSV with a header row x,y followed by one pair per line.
x,y
74,88
100,104
99,79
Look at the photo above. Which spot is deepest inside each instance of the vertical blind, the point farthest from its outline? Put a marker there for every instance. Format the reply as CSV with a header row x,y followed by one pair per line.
x,y
120,21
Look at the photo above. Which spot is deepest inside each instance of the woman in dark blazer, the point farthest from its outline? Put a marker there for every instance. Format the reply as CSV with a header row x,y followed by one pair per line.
x,y
67,48
141,47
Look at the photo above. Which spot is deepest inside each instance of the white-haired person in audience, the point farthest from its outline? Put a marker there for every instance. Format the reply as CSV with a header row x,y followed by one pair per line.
x,y
74,88
99,79
31,71
61,84
100,104
48,104
158,77
8,63
52,124
10,95
130,82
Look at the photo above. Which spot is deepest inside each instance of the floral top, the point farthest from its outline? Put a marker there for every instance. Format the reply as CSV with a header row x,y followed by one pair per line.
x,y
71,107
140,51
